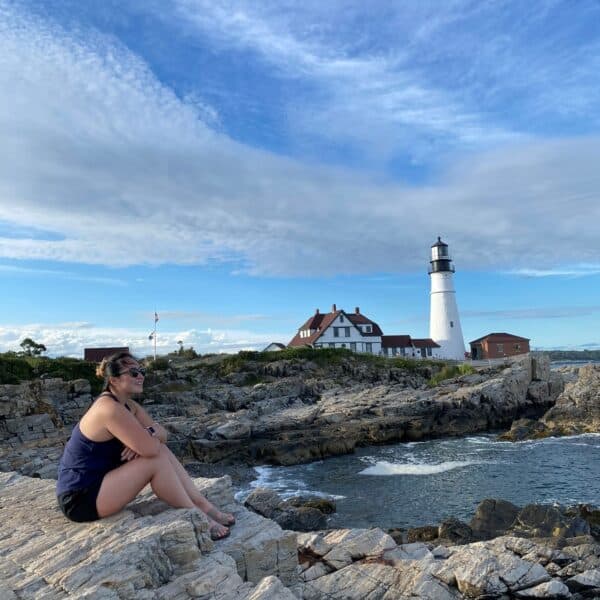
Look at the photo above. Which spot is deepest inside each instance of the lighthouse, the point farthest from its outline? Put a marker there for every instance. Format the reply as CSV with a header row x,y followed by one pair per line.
x,y
444,322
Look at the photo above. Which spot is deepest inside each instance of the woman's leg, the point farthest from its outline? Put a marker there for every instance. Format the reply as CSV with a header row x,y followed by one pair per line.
x,y
199,500
124,483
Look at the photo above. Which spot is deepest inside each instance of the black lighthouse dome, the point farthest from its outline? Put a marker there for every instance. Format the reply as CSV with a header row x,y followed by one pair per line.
x,y
440,258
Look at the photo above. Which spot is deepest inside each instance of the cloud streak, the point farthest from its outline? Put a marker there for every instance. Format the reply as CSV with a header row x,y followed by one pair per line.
x,y
565,312
118,170
58,274
69,339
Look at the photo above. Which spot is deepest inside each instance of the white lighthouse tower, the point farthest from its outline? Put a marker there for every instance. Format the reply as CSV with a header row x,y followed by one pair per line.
x,y
444,322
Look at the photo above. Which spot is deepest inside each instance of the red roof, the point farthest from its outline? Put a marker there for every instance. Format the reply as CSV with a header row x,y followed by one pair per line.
x,y
424,343
321,321
358,319
500,338
396,341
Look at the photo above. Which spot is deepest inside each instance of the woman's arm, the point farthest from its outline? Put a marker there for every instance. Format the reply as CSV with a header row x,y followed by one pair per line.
x,y
146,420
126,428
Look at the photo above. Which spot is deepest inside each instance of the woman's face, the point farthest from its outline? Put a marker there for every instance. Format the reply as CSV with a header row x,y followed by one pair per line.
x,y
130,380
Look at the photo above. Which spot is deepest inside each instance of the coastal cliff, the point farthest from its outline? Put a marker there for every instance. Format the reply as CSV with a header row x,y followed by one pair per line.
x,y
576,411
285,411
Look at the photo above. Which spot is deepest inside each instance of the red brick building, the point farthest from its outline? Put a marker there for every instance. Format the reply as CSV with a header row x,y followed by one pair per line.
x,y
498,345
97,354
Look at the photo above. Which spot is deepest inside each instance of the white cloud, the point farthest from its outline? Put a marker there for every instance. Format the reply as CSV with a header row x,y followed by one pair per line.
x,y
373,97
69,339
566,271
98,153
58,274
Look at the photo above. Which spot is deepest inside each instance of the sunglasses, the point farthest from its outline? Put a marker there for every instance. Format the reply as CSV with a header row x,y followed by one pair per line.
x,y
134,372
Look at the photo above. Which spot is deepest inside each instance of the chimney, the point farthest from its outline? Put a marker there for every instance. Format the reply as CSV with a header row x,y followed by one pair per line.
x,y
357,310
333,308
317,311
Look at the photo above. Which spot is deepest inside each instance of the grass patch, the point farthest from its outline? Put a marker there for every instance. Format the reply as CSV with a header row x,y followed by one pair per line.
x,y
450,372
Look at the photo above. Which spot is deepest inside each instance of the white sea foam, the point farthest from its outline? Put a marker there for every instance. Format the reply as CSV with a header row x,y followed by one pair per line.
x,y
387,468
272,478
478,440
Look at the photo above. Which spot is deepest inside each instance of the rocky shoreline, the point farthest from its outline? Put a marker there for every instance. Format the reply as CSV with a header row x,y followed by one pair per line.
x,y
150,551
292,415
576,411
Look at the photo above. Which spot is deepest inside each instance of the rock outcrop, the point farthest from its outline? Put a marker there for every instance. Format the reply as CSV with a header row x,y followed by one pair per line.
x,y
145,551
308,513
150,551
576,411
357,564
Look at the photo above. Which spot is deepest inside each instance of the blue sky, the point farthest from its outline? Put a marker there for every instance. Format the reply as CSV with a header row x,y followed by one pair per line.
x,y
235,165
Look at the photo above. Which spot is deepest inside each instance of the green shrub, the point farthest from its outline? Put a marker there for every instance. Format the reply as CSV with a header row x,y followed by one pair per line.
x,y
14,370
26,368
449,372
160,364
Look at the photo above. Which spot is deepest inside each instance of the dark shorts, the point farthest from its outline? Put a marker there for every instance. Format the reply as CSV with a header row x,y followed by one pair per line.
x,y
80,505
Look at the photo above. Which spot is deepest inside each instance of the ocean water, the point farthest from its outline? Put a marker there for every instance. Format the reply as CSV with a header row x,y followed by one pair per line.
x,y
420,483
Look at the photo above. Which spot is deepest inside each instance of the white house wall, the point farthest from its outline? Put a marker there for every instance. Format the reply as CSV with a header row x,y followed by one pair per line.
x,y
343,341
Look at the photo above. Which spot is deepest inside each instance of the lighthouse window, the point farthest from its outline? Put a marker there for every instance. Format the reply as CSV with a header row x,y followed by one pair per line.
x,y
451,323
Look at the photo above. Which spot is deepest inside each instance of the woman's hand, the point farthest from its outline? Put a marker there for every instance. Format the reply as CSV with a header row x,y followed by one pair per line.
x,y
128,454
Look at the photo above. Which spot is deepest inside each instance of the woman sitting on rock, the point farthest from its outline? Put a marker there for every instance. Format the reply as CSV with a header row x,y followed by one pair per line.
x,y
116,449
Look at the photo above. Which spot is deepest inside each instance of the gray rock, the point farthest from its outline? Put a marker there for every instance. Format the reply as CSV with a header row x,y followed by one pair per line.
x,y
301,519
263,501
586,581
555,590
540,520
456,531
493,518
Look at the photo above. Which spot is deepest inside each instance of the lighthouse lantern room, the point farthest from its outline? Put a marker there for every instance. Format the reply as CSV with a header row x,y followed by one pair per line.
x,y
444,321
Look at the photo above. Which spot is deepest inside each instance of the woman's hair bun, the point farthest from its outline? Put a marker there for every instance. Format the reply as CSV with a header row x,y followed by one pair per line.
x,y
101,368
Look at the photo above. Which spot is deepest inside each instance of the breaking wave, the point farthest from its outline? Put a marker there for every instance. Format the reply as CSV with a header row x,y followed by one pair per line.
x,y
387,468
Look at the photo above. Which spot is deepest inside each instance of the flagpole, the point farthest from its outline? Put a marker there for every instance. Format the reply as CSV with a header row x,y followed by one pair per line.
x,y
155,319
154,333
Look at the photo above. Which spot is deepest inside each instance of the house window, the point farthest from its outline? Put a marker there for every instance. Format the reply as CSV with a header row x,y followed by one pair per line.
x,y
336,332
331,345
500,348
347,331
341,318
517,346
451,323
403,351
368,347
353,346
428,351
343,345
367,329
394,351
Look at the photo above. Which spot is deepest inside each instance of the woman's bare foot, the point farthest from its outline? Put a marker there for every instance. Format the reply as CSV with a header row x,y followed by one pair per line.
x,y
217,530
226,519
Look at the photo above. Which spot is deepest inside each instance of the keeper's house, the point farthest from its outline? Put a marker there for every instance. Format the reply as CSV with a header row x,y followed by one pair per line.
x,y
355,331
498,345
